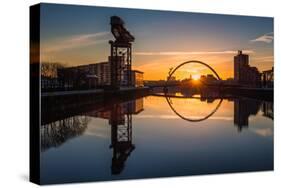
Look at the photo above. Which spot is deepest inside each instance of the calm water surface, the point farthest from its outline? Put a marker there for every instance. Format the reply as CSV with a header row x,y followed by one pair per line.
x,y
146,138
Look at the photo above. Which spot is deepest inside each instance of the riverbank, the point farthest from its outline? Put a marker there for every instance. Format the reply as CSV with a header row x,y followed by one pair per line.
x,y
94,91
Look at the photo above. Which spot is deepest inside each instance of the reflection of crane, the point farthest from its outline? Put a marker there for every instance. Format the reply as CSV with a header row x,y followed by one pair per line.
x,y
121,137
68,119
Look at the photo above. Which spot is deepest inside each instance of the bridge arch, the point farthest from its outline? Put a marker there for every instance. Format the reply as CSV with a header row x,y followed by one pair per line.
x,y
192,61
168,98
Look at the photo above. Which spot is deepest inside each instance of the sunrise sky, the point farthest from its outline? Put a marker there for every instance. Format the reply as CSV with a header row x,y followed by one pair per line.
x,y
76,35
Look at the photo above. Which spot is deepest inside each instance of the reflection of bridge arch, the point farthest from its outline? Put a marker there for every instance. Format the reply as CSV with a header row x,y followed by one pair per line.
x,y
190,119
192,61
168,97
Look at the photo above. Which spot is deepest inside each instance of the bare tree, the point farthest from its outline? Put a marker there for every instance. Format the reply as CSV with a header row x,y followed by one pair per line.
x,y
49,69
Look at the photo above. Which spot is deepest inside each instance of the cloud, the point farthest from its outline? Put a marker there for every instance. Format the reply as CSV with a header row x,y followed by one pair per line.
x,y
96,128
75,41
191,53
264,59
267,38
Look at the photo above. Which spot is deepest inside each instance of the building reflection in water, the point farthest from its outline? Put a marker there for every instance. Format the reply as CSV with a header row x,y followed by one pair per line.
x,y
267,109
120,120
119,116
245,107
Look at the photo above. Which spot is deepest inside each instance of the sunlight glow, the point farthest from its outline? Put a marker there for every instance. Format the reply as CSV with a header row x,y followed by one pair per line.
x,y
196,77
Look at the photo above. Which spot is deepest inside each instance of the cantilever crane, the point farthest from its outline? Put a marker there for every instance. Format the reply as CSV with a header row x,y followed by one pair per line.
x,y
120,33
121,54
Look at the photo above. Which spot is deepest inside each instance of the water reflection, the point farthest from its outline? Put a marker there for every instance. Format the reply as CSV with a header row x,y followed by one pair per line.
x,y
169,101
71,120
267,109
120,119
243,108
56,133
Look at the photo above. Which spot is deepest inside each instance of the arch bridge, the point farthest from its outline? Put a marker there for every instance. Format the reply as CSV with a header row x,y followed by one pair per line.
x,y
172,72
189,62
169,97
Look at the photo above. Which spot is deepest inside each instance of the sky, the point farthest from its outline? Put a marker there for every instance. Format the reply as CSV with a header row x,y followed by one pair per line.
x,y
77,35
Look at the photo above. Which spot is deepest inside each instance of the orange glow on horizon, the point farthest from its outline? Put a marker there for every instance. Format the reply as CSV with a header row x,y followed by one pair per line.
x,y
158,68
196,77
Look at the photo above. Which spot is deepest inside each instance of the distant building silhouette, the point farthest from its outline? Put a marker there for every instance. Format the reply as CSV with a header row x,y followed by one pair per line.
x,y
94,75
268,78
85,76
244,74
208,79
136,78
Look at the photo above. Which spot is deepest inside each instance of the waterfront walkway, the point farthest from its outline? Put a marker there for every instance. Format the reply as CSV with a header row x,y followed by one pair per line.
x,y
90,91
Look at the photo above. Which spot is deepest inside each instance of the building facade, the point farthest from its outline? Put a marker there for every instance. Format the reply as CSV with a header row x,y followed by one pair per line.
x,y
268,78
85,76
208,79
244,74
137,78
97,75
